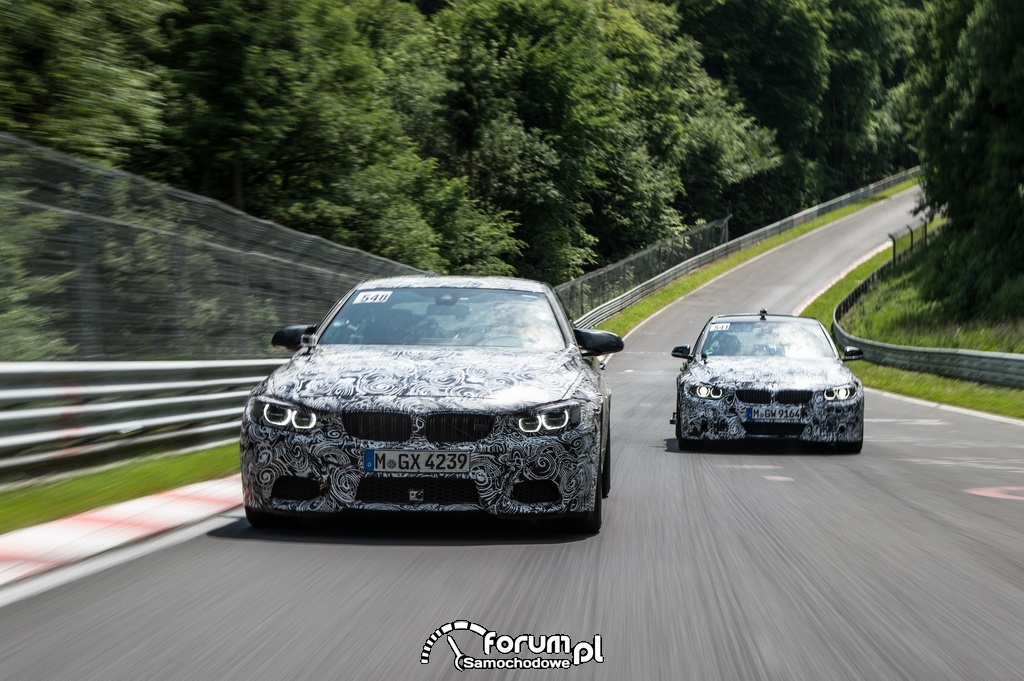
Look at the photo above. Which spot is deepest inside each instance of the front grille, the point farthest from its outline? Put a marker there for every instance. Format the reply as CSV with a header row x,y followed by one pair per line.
x,y
536,492
770,429
294,488
381,426
754,396
449,428
445,491
793,396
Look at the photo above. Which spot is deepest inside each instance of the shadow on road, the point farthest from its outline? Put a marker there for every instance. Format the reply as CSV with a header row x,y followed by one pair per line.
x,y
756,447
407,529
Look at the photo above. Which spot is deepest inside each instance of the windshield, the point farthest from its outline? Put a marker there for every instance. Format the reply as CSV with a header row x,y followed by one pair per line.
x,y
446,316
767,338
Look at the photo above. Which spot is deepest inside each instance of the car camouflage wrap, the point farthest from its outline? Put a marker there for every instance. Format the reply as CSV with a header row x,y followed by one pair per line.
x,y
775,384
457,408
772,377
486,382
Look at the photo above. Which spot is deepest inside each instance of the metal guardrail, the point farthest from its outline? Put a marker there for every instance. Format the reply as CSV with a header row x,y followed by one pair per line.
x,y
611,308
993,368
56,416
60,415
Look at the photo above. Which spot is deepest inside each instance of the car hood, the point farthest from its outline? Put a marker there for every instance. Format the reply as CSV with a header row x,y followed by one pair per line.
x,y
332,377
783,372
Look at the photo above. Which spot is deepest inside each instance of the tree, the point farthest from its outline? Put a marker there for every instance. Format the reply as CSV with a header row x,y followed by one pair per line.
x,y
696,143
71,77
531,119
773,56
969,94
861,130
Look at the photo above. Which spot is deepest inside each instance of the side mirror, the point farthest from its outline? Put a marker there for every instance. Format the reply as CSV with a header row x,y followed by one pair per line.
x,y
294,337
851,353
682,352
593,342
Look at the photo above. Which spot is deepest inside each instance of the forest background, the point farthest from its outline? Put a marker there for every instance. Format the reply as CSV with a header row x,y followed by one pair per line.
x,y
542,138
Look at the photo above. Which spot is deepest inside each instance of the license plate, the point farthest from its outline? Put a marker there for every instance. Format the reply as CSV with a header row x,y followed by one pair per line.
x,y
415,462
775,413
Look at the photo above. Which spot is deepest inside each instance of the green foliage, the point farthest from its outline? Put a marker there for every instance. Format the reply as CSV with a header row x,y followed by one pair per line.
x,y
969,101
71,77
535,137
861,131
39,503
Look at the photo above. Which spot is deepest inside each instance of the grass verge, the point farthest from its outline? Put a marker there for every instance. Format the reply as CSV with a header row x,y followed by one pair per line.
x,y
977,396
51,500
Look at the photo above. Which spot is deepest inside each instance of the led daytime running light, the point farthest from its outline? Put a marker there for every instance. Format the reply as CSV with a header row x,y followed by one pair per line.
x,y
708,391
843,392
280,415
553,420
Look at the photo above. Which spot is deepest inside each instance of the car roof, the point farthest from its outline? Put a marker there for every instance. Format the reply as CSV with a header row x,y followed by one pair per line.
x,y
756,317
455,281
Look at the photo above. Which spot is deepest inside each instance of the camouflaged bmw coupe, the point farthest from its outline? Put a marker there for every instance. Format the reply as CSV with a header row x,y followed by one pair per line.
x,y
433,393
767,377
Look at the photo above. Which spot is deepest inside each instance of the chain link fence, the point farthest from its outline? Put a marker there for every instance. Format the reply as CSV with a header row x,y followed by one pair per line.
x,y
101,265
590,291
98,264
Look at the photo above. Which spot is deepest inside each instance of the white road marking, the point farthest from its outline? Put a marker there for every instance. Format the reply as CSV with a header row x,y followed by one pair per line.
x,y
945,407
34,586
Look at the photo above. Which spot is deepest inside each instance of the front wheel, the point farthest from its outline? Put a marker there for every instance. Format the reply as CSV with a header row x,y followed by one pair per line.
x,y
606,473
686,444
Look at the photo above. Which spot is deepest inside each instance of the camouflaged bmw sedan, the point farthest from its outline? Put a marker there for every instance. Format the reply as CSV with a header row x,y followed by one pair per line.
x,y
433,393
767,377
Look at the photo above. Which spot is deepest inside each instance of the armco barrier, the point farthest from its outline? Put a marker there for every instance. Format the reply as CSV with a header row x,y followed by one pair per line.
x,y
993,368
59,415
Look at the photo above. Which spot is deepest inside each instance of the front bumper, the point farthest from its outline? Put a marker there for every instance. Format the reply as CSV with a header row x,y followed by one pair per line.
x,y
729,418
321,471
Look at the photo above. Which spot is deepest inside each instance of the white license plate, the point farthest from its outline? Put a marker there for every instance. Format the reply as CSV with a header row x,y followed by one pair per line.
x,y
775,413
415,462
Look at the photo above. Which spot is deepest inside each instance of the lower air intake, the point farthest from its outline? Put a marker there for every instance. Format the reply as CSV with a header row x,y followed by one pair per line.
x,y
536,492
294,488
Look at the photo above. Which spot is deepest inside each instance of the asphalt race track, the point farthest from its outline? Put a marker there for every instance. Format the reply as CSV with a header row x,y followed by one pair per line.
x,y
903,562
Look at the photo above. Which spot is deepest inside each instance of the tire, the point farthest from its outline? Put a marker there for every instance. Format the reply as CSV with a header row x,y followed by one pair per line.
x,y
689,445
850,447
606,473
686,444
591,523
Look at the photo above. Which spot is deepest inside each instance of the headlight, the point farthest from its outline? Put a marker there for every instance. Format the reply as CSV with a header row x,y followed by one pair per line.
x,y
842,392
549,419
708,392
280,414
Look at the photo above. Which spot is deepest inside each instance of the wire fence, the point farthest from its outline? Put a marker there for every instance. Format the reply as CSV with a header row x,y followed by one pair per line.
x,y
99,264
590,291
